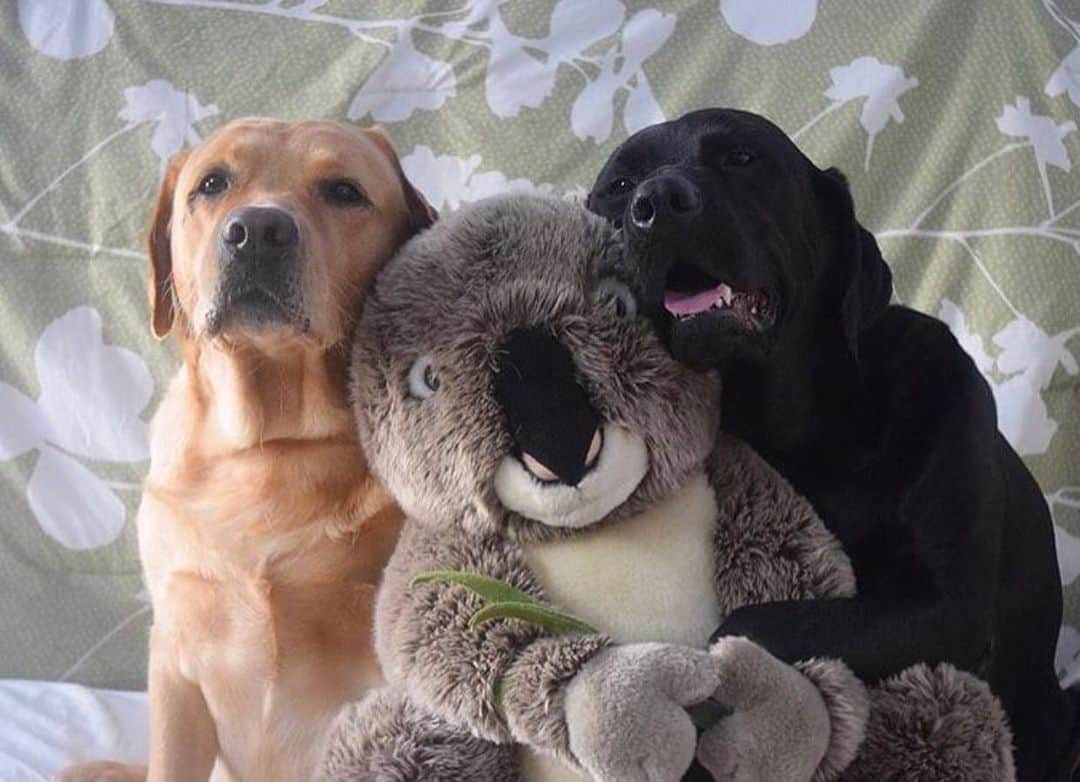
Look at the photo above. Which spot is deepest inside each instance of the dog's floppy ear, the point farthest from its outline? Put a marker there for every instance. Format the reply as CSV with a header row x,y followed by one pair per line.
x,y
421,213
867,278
162,304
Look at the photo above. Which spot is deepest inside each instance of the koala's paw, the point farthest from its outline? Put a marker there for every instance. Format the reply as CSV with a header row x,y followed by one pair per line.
x,y
725,750
625,711
779,730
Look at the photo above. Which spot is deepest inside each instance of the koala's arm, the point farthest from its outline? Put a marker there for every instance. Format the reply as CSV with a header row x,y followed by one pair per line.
x,y
770,545
504,680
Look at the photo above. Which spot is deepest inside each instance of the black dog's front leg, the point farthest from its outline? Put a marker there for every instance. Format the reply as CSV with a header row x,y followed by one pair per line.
x,y
875,640
923,520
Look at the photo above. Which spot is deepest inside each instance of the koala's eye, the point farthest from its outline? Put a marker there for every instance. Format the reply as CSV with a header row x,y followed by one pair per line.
x,y
213,184
619,186
738,157
342,192
617,296
423,382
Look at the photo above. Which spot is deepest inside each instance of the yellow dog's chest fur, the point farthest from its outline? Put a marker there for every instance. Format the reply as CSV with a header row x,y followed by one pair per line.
x,y
647,578
262,567
273,656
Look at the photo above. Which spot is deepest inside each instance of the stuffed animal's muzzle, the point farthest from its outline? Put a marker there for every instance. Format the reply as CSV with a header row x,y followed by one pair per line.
x,y
555,429
568,468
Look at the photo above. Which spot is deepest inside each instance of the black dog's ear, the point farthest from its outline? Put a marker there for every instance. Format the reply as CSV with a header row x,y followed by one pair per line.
x,y
867,278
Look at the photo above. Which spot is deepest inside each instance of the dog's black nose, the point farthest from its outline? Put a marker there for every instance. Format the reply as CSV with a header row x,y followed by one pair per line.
x,y
252,229
664,199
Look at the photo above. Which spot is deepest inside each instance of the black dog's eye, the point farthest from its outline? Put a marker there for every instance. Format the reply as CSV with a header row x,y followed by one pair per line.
x,y
738,157
620,186
342,192
213,184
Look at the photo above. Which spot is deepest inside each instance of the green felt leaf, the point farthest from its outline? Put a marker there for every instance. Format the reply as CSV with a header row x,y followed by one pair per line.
x,y
503,601
551,620
500,697
490,590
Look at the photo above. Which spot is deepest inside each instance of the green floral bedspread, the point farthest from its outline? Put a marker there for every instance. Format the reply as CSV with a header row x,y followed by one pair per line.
x,y
955,121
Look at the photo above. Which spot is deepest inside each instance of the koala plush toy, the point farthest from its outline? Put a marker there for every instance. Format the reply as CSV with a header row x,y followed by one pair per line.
x,y
577,527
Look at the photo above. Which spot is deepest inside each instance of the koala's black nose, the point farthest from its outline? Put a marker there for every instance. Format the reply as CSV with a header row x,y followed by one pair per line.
x,y
550,417
663,201
253,230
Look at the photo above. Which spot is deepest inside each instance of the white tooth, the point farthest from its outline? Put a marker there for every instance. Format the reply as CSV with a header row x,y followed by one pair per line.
x,y
725,294
753,310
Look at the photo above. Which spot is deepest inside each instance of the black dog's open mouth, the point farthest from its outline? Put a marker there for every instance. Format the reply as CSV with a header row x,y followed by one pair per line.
x,y
690,292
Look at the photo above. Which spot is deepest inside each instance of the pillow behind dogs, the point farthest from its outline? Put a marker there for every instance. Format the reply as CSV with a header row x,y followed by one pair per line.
x,y
577,527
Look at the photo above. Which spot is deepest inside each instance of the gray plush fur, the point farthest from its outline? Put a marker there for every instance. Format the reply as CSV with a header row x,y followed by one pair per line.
x,y
769,544
934,724
388,738
452,295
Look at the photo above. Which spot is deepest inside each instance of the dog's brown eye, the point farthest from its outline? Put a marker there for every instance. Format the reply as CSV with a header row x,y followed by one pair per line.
x,y
213,184
738,157
342,192
620,186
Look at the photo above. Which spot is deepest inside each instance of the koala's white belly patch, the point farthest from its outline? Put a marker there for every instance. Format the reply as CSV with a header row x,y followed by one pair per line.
x,y
646,578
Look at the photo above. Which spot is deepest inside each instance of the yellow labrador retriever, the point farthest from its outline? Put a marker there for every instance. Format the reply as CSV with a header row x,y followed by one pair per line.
x,y
261,532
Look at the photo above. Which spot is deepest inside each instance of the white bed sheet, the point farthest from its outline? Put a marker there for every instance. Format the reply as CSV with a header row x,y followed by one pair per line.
x,y
44,726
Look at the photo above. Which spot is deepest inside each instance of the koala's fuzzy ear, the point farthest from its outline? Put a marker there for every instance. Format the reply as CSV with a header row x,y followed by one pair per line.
x,y
867,278
421,213
162,303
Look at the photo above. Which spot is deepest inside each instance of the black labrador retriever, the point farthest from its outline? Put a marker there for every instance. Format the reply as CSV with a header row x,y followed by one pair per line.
x,y
750,259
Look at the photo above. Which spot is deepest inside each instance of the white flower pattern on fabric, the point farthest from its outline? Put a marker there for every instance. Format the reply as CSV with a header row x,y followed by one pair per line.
x,y
1018,376
521,72
969,339
769,22
174,111
593,114
1065,506
1068,552
406,81
448,181
1028,360
1067,656
90,406
1046,136
1066,78
67,29
881,84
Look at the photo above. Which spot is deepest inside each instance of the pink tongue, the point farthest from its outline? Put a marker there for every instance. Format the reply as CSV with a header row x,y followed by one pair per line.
x,y
691,303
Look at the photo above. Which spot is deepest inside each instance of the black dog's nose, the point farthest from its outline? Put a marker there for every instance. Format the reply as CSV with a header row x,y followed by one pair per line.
x,y
665,198
553,423
254,228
